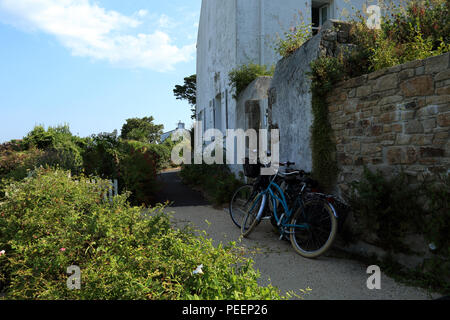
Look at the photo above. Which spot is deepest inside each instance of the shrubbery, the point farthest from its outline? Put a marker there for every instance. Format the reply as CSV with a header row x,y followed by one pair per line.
x,y
417,31
215,180
138,168
60,146
387,207
293,39
52,221
134,164
391,209
242,76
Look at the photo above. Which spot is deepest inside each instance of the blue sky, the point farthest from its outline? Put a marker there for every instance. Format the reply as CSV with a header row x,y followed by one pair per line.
x,y
93,64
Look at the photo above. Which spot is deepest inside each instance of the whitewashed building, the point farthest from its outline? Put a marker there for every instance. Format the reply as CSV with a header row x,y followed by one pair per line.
x,y
236,32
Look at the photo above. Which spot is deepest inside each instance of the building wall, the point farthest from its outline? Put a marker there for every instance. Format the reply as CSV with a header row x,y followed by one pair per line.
x,y
394,118
255,96
290,93
237,32
216,53
233,33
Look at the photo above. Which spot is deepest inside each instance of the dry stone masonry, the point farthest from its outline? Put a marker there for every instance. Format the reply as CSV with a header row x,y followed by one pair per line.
x,y
394,118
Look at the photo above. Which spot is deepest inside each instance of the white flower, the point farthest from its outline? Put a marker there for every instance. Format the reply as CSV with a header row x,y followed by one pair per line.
x,y
198,270
2,253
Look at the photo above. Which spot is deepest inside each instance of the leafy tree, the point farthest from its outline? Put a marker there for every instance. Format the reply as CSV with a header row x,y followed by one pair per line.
x,y
142,129
60,146
102,155
188,92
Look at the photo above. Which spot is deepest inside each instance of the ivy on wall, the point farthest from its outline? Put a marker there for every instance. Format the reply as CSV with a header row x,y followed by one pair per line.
x,y
325,72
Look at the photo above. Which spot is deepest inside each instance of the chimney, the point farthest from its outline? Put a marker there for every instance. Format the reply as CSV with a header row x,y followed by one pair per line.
x,y
180,125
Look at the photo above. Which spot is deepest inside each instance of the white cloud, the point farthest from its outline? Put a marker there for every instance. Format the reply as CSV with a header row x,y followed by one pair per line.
x,y
142,13
91,31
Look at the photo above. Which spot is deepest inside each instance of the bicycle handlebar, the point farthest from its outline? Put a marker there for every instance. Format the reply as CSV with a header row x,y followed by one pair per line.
x,y
287,164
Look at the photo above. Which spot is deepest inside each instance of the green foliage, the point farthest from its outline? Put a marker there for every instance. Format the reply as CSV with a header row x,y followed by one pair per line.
x,y
51,221
325,72
188,92
391,208
216,181
60,146
387,207
142,129
15,166
431,17
132,163
437,227
138,168
419,31
242,76
102,155
293,39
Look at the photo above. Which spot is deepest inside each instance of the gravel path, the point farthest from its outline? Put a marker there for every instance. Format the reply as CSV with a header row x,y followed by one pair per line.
x,y
330,277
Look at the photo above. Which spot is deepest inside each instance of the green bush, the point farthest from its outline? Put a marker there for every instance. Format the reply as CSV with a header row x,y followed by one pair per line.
x,y
431,17
102,154
134,164
391,208
51,221
60,146
138,169
242,76
293,39
215,180
437,228
387,207
325,72
417,31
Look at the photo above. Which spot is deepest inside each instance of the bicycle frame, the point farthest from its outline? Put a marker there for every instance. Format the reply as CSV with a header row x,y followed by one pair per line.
x,y
275,198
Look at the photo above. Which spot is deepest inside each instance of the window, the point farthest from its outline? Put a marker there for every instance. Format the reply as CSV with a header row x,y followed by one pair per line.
x,y
321,12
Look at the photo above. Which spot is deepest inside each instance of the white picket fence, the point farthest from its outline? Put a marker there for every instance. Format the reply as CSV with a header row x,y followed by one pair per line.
x,y
112,191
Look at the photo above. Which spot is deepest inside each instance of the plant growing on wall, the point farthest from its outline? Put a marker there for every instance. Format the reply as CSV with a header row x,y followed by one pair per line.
x,y
325,72
375,49
242,76
417,31
293,39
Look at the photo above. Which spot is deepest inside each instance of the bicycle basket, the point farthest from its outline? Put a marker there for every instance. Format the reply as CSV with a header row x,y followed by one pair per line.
x,y
251,170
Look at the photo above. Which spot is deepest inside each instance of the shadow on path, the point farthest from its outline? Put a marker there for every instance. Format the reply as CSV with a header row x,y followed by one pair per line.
x,y
177,193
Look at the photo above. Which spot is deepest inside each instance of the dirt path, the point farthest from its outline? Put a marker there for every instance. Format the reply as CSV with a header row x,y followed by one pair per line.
x,y
329,277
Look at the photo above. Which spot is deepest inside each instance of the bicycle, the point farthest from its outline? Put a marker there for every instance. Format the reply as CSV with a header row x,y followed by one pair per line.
x,y
309,221
244,196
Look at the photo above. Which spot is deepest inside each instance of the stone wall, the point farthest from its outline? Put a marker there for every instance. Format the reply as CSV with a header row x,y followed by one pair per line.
x,y
394,118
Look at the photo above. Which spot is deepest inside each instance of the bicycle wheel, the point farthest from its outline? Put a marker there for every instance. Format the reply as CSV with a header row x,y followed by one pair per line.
x,y
320,232
241,202
251,219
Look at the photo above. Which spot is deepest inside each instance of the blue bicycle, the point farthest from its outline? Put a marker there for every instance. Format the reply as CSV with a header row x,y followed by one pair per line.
x,y
309,221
